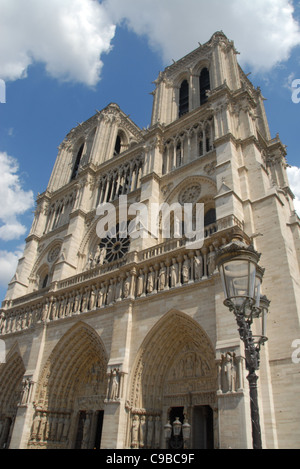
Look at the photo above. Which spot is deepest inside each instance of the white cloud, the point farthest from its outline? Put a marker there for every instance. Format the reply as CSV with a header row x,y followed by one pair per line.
x,y
15,201
68,36
293,173
264,31
8,265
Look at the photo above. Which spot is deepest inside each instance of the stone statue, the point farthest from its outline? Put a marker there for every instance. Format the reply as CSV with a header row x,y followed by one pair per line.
x,y
96,258
140,284
35,426
142,431
26,391
185,270
198,266
102,255
150,281
126,288
174,273
101,296
110,293
114,385
162,277
135,431
92,298
211,263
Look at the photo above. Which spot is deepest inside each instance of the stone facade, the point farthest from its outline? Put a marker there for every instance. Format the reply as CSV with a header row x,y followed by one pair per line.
x,y
108,339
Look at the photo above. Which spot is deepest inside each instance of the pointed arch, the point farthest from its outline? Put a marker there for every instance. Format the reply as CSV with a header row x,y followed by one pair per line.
x,y
11,376
79,352
176,339
207,184
204,85
80,148
184,98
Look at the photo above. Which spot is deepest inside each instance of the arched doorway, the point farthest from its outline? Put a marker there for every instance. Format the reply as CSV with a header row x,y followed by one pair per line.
x,y
71,392
11,375
174,371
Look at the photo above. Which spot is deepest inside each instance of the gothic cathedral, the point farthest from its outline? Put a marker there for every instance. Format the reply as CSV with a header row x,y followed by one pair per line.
x,y
111,339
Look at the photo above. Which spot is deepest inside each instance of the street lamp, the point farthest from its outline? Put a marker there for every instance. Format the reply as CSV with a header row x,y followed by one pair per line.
x,y
186,433
241,278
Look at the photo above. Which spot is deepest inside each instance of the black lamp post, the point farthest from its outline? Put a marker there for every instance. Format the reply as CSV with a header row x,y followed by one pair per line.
x,y
241,278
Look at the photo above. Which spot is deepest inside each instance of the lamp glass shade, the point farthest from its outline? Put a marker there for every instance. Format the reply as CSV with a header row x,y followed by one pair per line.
x,y
238,278
186,430
177,427
168,430
260,321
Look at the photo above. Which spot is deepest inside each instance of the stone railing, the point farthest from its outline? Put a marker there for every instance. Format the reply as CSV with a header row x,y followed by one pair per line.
x,y
156,270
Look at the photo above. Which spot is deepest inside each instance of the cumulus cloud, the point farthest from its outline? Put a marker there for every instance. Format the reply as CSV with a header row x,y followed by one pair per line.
x,y
15,201
68,36
71,36
264,31
293,173
8,265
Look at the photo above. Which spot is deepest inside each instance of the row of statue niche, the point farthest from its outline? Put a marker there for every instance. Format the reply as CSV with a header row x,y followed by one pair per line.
x,y
50,427
83,300
92,297
97,258
151,282
145,431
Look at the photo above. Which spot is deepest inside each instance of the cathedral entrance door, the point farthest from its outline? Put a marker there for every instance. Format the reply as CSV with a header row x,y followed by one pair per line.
x,y
100,415
202,428
89,429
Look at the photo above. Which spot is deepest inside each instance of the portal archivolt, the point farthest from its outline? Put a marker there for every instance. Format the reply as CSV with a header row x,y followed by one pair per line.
x,y
11,375
73,381
175,367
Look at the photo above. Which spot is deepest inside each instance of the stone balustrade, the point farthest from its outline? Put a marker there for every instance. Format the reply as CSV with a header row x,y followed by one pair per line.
x,y
156,270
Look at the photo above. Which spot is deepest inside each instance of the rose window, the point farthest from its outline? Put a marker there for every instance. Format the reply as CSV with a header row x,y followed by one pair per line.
x,y
115,245
190,194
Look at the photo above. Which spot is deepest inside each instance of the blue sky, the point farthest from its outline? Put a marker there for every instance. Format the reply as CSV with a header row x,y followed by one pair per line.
x,y
88,53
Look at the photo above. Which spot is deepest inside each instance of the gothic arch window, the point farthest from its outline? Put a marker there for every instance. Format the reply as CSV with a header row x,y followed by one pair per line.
x,y
204,80
77,162
210,217
43,277
121,143
179,154
184,98
44,282
117,146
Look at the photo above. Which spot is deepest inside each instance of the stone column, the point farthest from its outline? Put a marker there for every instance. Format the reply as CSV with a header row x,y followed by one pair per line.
x,y
115,414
